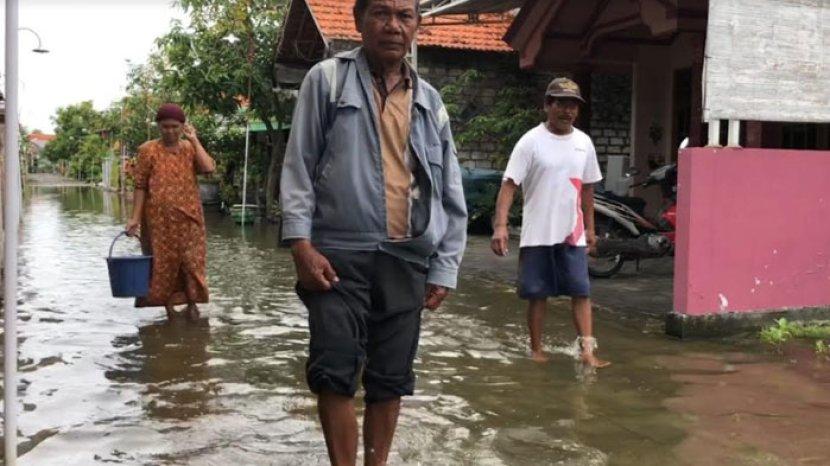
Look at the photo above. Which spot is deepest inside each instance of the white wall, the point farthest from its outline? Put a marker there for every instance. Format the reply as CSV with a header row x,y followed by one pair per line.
x,y
768,60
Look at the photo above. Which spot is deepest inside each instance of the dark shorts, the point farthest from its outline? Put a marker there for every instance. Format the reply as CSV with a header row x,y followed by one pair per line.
x,y
368,323
560,270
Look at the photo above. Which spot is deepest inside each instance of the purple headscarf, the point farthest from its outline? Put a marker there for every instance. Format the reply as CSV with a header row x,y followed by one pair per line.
x,y
170,112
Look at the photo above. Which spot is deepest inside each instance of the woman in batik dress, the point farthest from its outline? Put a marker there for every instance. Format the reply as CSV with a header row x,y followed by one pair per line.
x,y
168,210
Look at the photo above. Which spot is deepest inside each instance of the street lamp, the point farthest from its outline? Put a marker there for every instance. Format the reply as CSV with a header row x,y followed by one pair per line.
x,y
39,48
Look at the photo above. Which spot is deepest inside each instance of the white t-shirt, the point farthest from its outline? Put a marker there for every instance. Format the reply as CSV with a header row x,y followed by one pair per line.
x,y
551,170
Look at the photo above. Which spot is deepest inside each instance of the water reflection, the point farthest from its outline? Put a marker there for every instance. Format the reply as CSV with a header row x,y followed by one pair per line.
x,y
169,360
103,382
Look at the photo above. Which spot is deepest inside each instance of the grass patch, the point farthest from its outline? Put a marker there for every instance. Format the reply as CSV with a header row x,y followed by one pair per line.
x,y
783,331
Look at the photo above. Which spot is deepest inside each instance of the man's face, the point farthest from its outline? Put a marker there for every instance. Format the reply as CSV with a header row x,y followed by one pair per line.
x,y
388,28
171,130
562,113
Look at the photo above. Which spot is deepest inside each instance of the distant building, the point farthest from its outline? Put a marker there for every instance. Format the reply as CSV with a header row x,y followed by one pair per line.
x,y
37,143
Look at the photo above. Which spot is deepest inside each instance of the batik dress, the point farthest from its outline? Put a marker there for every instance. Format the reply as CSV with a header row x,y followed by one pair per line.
x,y
173,225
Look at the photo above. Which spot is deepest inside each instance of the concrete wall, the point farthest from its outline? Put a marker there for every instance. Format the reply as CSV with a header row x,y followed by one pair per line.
x,y
754,231
768,60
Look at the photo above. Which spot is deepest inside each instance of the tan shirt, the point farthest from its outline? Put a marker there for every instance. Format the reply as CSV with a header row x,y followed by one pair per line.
x,y
393,122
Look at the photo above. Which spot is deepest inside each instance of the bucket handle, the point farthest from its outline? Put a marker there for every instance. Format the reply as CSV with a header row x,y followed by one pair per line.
x,y
123,233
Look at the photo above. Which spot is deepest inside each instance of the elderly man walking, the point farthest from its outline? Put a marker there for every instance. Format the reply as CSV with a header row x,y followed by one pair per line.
x,y
556,166
374,211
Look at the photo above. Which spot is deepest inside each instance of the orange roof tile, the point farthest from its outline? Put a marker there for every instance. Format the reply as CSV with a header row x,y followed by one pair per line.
x,y
335,20
41,137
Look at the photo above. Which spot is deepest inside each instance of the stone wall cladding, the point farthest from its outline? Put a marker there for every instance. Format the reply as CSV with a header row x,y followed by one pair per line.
x,y
611,114
441,67
610,97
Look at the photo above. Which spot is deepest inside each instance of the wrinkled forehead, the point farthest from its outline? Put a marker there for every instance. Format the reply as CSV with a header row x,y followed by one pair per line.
x,y
392,4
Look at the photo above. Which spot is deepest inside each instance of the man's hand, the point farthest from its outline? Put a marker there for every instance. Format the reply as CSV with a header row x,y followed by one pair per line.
x,y
591,241
499,241
435,295
314,272
189,133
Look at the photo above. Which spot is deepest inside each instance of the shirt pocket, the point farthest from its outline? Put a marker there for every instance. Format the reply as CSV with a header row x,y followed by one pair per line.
x,y
347,127
435,157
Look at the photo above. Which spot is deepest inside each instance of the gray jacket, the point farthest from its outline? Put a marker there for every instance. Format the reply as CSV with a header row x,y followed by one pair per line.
x,y
332,185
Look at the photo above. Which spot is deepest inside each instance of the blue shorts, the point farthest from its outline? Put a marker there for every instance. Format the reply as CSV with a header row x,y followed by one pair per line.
x,y
559,270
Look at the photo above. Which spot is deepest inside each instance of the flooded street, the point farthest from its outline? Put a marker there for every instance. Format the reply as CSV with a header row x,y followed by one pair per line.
x,y
103,382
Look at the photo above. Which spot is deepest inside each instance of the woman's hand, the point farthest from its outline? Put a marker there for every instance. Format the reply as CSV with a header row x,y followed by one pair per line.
x,y
189,133
132,227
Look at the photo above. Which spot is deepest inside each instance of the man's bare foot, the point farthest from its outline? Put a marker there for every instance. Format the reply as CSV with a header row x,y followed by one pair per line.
x,y
192,313
590,360
586,346
171,313
539,356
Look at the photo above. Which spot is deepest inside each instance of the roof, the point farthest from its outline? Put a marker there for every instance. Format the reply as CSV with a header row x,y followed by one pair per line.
x,y
445,7
41,137
335,21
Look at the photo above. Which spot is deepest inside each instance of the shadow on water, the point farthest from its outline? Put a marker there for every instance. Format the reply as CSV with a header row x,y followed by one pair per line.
x,y
103,382
169,359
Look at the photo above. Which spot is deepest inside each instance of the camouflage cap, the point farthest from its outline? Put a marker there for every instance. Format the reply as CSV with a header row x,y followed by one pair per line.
x,y
564,88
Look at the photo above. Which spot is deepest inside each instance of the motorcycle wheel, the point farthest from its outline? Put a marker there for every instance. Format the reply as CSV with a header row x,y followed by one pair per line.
x,y
606,267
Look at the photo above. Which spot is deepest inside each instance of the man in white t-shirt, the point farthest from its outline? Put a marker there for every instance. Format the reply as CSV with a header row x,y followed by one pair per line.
x,y
556,166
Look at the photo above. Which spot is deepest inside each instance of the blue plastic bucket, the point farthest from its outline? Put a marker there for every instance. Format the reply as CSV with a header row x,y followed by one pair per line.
x,y
129,275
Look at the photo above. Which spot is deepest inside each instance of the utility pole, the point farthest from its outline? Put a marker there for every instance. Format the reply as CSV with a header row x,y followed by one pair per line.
x,y
11,185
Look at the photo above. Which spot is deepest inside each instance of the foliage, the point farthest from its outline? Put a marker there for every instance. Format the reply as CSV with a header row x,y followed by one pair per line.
x,y
72,124
81,140
223,62
511,114
822,349
482,208
219,67
783,331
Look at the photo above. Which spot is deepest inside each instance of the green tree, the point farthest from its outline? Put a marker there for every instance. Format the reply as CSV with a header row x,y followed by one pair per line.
x,y
72,124
86,164
79,141
223,61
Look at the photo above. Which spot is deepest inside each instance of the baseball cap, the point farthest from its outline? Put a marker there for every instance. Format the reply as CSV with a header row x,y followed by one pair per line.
x,y
564,88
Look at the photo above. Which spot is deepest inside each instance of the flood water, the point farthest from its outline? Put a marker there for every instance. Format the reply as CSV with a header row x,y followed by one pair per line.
x,y
105,383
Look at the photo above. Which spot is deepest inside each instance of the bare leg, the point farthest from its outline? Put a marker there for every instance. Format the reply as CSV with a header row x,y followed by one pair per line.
x,y
339,427
379,429
583,321
536,309
192,312
171,312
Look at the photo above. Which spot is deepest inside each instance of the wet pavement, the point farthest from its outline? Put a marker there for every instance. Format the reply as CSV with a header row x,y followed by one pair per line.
x,y
104,383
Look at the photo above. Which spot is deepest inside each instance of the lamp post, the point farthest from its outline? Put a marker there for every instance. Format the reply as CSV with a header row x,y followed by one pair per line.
x,y
12,195
39,48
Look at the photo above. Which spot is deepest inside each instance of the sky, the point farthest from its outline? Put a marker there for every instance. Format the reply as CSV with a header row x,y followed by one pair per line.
x,y
90,42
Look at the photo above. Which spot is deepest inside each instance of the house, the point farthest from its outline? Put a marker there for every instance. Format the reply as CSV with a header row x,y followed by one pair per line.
x,y
447,48
37,142
753,232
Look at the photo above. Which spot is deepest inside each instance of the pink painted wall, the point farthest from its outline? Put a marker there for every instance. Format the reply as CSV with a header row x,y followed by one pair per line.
x,y
753,230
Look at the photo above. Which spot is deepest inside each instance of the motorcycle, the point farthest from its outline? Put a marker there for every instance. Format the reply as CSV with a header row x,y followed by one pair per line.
x,y
623,231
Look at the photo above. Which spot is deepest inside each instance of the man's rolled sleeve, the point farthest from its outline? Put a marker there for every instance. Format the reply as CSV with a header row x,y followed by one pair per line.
x,y
303,150
443,268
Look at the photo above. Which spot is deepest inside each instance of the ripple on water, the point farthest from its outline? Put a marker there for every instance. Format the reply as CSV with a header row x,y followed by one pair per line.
x,y
105,382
